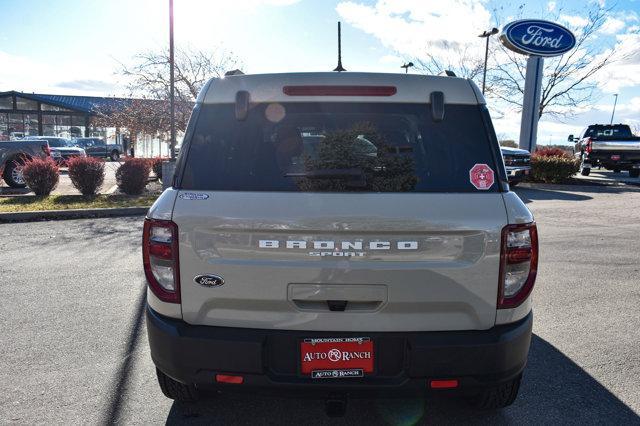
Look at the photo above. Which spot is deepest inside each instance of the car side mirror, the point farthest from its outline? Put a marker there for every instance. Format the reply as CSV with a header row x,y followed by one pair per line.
x,y
570,138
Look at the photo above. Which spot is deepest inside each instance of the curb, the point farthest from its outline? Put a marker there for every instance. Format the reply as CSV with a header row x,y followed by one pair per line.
x,y
578,183
33,216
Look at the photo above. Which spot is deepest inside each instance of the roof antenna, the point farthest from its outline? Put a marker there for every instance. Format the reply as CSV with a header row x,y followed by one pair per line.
x,y
339,67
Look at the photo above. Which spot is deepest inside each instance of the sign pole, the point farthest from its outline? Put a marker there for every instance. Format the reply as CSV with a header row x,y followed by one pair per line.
x,y
537,39
531,103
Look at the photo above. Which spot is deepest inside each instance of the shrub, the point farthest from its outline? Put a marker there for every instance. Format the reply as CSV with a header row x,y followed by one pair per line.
x,y
87,174
156,166
41,175
552,152
132,175
553,169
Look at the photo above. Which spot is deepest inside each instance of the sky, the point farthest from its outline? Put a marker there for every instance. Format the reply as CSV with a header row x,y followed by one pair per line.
x,y
78,46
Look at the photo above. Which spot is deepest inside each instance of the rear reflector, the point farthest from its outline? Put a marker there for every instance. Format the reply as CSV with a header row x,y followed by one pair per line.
x,y
443,384
225,378
339,90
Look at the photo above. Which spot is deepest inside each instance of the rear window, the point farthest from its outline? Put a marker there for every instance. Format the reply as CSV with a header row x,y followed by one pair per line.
x,y
337,147
609,132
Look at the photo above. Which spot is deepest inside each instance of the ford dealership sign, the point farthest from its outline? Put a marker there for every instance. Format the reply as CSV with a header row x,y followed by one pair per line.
x,y
537,37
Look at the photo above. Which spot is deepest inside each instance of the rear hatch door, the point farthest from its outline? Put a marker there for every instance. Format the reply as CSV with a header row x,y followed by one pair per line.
x,y
340,217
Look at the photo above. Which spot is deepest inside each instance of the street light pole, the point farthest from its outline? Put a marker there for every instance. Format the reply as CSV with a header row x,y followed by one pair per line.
x,y
615,101
172,84
486,34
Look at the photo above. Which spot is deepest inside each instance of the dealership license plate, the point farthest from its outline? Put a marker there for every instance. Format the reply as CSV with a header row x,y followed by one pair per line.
x,y
336,358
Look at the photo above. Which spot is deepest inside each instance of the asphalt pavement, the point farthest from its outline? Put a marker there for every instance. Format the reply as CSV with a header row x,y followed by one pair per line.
x,y
73,346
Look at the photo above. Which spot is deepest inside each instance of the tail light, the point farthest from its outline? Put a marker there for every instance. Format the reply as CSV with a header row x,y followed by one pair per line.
x,y
160,259
46,150
588,146
339,90
444,384
518,264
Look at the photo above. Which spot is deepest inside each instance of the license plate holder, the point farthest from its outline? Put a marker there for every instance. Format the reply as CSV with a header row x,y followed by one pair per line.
x,y
337,358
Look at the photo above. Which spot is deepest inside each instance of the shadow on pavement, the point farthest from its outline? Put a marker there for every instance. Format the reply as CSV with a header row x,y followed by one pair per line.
x,y
555,390
569,192
528,195
7,190
120,382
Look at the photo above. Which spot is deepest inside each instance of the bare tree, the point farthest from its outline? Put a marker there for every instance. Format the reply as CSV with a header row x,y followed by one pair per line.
x,y
148,116
568,81
148,112
150,72
461,60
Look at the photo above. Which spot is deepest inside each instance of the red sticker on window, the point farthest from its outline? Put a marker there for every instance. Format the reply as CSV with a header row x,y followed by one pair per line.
x,y
481,176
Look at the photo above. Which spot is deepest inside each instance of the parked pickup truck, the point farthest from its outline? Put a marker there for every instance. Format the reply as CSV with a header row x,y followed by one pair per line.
x,y
13,154
62,149
97,147
517,163
611,146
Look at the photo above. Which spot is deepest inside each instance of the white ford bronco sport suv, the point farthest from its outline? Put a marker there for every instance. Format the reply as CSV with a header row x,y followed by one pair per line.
x,y
342,234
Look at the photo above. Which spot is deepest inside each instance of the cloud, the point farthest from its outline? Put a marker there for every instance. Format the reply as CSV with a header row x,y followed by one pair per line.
x,y
574,20
31,75
551,6
612,25
626,71
88,85
391,59
414,27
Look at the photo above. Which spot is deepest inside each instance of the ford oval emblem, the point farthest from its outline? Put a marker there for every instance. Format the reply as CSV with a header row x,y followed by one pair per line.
x,y
209,280
537,37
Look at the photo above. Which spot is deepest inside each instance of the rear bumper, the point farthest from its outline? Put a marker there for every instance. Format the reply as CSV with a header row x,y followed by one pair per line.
x,y
623,160
517,174
404,362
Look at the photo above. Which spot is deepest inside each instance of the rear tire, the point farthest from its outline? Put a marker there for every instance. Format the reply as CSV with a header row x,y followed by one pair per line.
x,y
115,155
13,175
634,173
496,397
584,171
176,390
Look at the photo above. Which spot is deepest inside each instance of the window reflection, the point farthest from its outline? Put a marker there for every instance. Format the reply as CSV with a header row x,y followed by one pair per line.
x,y
26,104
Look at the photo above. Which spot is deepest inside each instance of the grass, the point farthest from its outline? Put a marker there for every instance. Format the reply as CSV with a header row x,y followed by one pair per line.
x,y
66,202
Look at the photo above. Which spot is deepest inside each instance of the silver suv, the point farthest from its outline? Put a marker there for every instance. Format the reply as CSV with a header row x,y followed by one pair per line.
x,y
340,234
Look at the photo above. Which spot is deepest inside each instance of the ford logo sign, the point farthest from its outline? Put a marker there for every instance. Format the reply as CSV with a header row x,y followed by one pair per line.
x,y
536,37
208,280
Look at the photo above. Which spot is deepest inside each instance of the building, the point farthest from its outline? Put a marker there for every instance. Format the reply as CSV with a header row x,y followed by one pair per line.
x,y
32,114
36,114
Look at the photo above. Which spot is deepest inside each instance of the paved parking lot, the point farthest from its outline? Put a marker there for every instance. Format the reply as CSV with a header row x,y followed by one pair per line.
x,y
73,344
